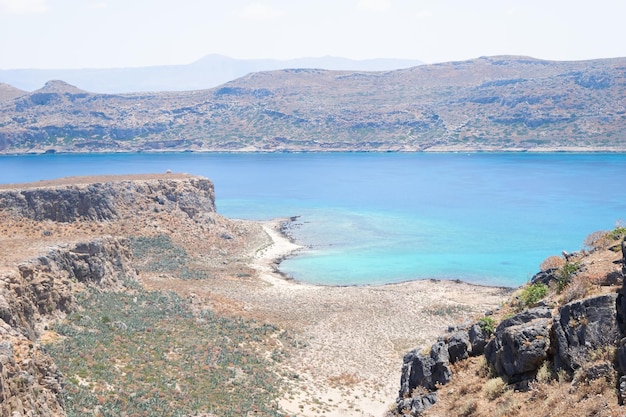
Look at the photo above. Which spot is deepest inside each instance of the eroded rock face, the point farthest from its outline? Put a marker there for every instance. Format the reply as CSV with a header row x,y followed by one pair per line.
x,y
41,289
37,291
425,369
106,201
45,286
583,326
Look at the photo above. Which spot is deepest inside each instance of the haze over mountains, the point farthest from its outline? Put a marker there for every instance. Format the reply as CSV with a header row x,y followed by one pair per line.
x,y
502,103
209,71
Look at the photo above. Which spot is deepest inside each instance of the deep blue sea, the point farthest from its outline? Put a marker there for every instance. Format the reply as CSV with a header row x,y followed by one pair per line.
x,y
373,218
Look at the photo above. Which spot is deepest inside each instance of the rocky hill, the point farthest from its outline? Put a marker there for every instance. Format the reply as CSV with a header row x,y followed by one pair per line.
x,y
490,103
131,295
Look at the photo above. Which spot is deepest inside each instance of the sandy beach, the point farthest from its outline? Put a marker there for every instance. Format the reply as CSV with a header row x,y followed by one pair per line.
x,y
351,339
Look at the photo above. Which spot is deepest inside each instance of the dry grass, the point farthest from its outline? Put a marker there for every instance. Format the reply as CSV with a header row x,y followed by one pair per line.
x,y
472,393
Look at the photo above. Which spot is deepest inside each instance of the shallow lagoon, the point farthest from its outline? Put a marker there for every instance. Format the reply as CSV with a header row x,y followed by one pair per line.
x,y
372,218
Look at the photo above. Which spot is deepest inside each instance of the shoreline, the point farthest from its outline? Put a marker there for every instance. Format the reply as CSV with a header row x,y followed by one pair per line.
x,y
434,149
283,247
351,339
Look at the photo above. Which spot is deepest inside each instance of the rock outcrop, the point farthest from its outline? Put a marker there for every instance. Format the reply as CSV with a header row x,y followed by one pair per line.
x,y
576,338
67,201
38,291
520,344
582,327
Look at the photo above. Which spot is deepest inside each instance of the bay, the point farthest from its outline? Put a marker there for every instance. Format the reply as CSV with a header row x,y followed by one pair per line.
x,y
376,218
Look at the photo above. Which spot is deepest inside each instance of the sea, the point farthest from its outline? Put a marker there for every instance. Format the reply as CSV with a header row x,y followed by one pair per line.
x,y
380,218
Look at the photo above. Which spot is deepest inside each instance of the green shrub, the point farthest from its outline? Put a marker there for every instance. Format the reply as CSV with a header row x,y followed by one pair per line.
x,y
532,294
160,254
618,233
487,324
564,275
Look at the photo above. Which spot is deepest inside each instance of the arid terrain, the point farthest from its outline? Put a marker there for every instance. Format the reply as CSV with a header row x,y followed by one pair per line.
x,y
344,348
500,103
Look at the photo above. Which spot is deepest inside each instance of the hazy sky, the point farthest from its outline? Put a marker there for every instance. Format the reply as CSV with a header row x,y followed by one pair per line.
x,y
123,33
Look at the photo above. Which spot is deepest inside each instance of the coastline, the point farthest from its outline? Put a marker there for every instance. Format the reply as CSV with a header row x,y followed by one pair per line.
x,y
351,339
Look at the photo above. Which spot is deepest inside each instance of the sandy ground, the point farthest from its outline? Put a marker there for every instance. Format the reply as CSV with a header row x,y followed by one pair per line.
x,y
351,339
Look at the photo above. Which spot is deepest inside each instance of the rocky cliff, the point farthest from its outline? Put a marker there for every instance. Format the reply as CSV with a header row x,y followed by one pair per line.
x,y
490,103
39,282
34,294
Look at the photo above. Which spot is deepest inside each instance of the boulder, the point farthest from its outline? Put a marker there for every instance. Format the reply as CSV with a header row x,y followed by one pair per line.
x,y
582,327
478,339
417,405
545,277
426,370
520,344
459,346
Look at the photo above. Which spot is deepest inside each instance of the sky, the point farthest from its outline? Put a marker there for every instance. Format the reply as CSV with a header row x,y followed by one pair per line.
x,y
53,34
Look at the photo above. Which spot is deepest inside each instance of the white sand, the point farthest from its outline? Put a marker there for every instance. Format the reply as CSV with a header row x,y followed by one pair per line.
x,y
353,338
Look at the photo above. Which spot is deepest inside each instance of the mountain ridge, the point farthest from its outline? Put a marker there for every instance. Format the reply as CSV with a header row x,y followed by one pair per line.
x,y
207,72
502,103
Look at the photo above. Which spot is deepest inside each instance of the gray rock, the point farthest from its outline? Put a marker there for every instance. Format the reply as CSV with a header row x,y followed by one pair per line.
x,y
520,344
621,390
478,339
583,326
425,370
459,346
545,277
417,405
518,350
524,317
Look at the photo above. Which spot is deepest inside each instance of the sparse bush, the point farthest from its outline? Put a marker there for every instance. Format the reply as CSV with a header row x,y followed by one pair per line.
x,y
551,262
545,373
565,274
577,288
597,240
160,254
618,233
487,325
469,409
218,364
532,294
494,388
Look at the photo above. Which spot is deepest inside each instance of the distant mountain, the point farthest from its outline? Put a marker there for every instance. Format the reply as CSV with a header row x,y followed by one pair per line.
x,y
8,92
208,72
503,103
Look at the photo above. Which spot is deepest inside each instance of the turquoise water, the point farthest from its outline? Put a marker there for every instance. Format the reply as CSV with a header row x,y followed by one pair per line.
x,y
372,218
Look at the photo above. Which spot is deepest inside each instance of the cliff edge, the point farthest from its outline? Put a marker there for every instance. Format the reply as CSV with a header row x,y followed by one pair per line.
x,y
64,236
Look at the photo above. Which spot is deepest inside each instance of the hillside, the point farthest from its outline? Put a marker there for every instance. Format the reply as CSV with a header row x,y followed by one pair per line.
x,y
491,103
